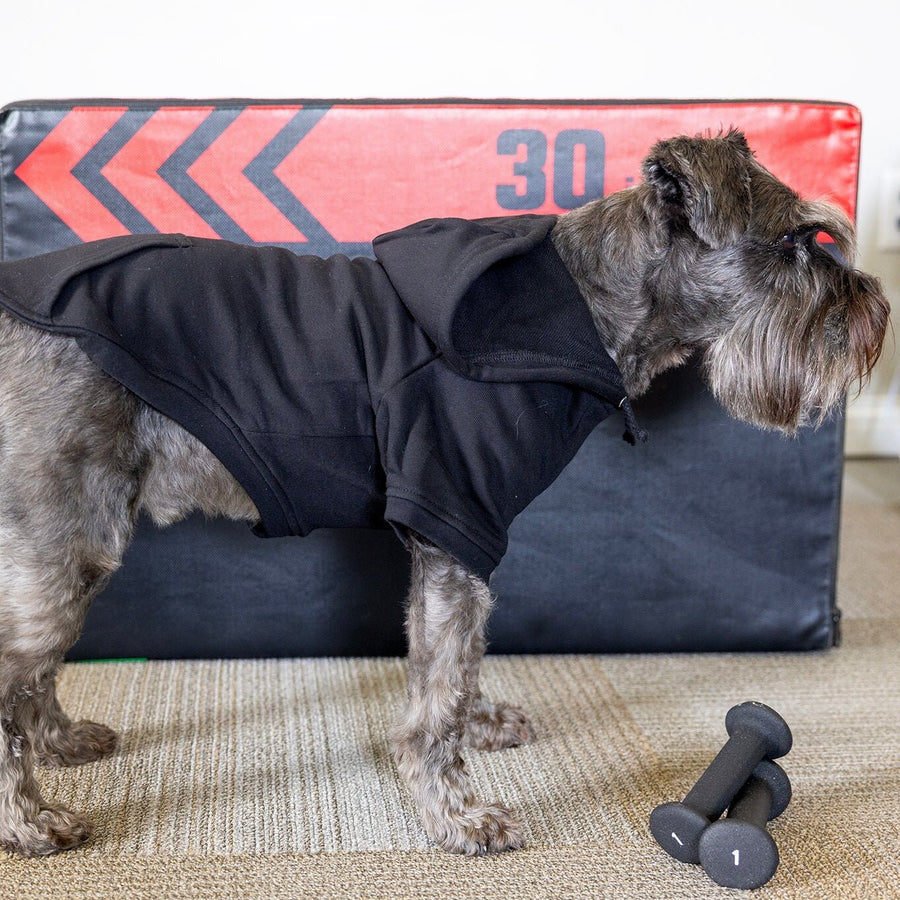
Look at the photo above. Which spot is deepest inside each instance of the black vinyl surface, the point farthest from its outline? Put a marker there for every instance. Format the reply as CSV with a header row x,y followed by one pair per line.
x,y
712,536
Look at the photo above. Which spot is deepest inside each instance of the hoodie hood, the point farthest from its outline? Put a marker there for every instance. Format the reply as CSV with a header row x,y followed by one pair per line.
x,y
497,301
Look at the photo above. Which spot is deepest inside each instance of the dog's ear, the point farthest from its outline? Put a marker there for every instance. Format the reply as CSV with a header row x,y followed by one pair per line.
x,y
704,183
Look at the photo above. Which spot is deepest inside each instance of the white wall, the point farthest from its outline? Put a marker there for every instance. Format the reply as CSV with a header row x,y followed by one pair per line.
x,y
826,50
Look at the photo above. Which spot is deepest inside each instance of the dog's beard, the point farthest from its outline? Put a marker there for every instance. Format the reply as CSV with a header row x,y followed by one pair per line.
x,y
784,365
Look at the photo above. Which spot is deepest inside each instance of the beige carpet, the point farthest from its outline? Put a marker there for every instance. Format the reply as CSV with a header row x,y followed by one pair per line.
x,y
272,778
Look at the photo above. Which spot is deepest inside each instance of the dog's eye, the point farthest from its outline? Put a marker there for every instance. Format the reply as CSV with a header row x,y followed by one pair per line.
x,y
788,241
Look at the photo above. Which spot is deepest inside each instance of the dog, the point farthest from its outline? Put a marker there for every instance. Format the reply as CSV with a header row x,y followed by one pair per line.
x,y
564,319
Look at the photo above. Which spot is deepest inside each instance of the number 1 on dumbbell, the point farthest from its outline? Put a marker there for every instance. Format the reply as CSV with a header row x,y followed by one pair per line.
x,y
754,860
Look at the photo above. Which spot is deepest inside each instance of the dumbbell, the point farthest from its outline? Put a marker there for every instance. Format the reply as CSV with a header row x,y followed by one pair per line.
x,y
756,732
737,851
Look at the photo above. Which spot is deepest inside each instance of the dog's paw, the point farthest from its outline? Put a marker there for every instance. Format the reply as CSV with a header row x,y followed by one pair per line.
x,y
54,830
83,742
494,726
478,830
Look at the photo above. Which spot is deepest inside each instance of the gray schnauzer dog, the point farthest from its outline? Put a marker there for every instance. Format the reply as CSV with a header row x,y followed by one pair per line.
x,y
482,355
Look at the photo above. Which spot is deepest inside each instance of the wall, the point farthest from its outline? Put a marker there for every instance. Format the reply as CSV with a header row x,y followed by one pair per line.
x,y
489,49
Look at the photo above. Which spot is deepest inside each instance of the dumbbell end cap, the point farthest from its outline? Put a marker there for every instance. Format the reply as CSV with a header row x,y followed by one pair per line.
x,y
677,829
779,784
762,719
737,854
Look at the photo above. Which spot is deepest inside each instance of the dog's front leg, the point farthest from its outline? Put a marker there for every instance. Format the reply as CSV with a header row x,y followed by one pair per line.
x,y
496,726
448,610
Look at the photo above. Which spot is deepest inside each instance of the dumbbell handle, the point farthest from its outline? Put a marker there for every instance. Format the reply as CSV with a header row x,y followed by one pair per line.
x,y
753,803
726,774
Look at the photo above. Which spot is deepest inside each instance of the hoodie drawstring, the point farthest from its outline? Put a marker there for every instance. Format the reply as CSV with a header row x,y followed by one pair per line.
x,y
633,432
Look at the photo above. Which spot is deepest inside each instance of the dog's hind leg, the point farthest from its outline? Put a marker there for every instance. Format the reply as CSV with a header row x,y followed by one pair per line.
x,y
69,477
58,741
43,599
446,617
48,576
29,824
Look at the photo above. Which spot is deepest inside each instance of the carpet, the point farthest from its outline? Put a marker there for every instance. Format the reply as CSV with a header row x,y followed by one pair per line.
x,y
272,778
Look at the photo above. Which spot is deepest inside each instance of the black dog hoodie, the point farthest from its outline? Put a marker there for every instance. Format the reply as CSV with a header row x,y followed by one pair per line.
x,y
439,387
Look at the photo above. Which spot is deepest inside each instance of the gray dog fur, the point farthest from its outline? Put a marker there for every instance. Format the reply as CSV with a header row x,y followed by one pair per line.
x,y
710,254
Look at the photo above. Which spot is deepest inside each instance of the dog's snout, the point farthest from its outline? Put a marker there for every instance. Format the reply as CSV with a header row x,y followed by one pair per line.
x,y
858,321
869,325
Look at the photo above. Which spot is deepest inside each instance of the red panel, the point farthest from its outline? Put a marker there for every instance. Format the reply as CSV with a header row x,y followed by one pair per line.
x,y
48,172
134,170
219,171
367,169
358,169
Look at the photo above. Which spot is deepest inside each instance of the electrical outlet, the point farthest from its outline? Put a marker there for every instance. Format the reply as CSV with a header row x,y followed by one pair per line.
x,y
889,211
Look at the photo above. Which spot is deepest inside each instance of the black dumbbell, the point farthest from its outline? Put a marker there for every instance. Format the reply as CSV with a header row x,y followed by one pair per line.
x,y
756,732
737,851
